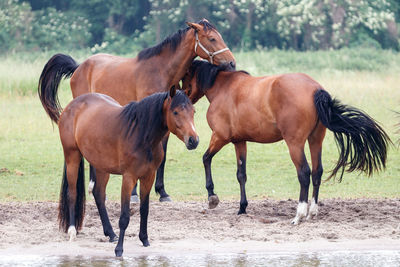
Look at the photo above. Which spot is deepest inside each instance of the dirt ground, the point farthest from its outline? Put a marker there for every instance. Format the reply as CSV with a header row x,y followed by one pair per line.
x,y
191,227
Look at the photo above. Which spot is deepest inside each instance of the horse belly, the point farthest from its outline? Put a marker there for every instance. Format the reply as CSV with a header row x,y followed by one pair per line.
x,y
264,134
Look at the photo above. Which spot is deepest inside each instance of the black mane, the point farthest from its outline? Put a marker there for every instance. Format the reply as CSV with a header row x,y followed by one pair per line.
x,y
206,73
146,118
172,41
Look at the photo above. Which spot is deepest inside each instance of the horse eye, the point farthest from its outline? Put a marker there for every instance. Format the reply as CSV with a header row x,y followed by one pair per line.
x,y
212,40
175,112
190,92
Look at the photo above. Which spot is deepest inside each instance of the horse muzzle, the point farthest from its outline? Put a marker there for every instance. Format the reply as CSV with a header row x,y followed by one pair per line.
x,y
191,142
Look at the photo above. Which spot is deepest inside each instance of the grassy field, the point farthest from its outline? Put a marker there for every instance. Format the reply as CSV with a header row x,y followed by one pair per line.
x,y
31,157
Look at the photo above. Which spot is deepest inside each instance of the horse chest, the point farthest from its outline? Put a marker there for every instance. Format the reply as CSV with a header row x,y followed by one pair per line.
x,y
140,163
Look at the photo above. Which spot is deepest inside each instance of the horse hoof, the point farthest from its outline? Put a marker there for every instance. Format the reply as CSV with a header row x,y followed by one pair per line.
x,y
118,253
295,221
241,212
72,233
134,199
146,243
165,199
213,201
113,239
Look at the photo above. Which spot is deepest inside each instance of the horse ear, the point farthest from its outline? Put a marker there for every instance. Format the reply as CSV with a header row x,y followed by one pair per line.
x,y
172,91
195,26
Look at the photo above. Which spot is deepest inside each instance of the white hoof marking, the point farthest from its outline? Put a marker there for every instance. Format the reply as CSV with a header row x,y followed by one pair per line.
x,y
301,212
313,212
72,233
90,187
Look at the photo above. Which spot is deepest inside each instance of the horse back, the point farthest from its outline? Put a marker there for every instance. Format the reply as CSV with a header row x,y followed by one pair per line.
x,y
262,109
106,74
124,79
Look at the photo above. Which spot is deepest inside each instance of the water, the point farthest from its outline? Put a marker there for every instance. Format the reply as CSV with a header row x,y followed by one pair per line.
x,y
327,258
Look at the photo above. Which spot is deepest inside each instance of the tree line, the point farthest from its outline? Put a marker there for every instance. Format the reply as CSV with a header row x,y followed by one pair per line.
x,y
122,26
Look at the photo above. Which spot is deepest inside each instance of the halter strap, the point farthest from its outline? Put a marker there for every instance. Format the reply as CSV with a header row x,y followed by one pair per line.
x,y
210,54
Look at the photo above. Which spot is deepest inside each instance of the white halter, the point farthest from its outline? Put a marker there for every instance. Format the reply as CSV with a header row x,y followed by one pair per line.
x,y
210,54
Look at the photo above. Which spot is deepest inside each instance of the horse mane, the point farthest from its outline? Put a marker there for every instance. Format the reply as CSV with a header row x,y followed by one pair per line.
x,y
172,41
146,118
206,73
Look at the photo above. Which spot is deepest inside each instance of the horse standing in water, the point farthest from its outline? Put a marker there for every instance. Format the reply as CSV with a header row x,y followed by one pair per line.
x,y
119,140
292,107
155,69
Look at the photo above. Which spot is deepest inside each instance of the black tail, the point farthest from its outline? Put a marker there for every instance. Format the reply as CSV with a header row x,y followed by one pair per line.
x,y
362,143
63,208
56,68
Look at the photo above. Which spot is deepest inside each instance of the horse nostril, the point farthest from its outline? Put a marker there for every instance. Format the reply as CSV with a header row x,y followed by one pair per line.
x,y
192,142
232,64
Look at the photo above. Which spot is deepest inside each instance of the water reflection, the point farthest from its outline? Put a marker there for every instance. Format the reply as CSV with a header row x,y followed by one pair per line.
x,y
328,258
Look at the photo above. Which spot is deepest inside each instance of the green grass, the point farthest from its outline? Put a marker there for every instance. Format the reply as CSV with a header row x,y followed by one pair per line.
x,y
367,79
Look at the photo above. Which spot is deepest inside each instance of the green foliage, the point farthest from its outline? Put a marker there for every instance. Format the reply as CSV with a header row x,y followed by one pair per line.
x,y
244,24
54,29
15,24
23,29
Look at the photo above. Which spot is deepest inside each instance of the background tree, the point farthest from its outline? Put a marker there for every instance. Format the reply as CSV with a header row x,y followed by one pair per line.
x,y
120,26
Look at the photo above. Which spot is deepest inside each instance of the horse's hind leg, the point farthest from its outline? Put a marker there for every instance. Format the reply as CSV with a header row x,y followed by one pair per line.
x,y
134,196
159,186
72,161
92,181
241,150
303,174
99,193
315,142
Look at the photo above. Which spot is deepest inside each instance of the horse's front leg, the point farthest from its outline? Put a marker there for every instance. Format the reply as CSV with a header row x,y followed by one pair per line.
x,y
159,186
241,151
128,181
216,144
145,186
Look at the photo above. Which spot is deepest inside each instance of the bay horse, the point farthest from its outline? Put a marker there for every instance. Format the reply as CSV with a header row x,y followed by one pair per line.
x,y
155,69
119,140
290,107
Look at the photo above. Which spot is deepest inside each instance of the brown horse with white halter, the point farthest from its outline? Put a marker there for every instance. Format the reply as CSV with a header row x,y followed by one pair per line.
x,y
292,107
155,69
119,140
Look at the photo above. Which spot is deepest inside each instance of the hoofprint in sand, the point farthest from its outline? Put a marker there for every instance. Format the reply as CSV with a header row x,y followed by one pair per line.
x,y
190,227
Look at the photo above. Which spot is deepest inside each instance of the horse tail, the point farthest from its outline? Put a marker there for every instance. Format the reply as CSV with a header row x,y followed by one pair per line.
x,y
362,143
63,209
56,68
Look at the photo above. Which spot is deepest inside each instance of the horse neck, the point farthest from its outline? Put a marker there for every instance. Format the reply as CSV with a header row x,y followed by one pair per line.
x,y
162,129
217,88
174,65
